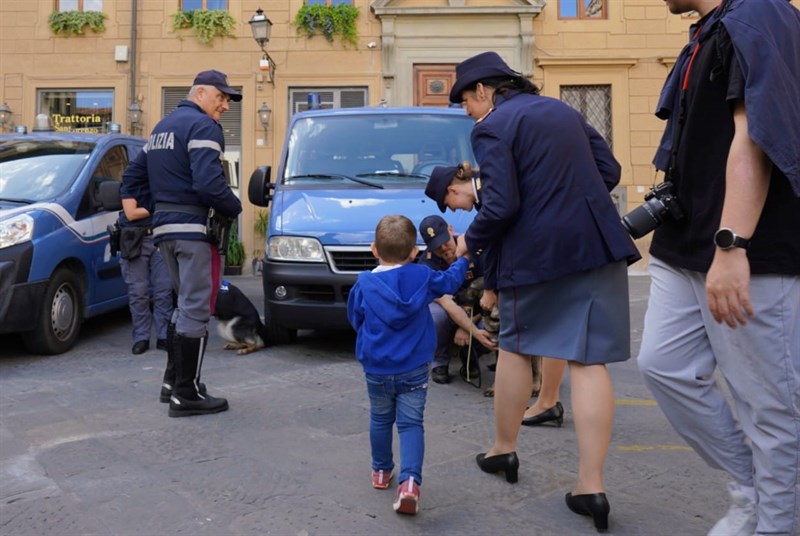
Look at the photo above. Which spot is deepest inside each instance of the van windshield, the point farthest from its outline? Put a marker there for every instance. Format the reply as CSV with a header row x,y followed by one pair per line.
x,y
37,170
393,150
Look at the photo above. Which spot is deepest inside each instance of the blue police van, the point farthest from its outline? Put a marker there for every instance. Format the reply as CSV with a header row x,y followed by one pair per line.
x,y
340,171
56,268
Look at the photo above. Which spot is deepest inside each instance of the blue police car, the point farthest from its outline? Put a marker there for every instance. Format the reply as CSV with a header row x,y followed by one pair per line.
x,y
340,171
55,263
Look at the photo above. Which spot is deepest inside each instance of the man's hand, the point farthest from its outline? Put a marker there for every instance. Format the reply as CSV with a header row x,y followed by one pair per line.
x,y
728,287
461,338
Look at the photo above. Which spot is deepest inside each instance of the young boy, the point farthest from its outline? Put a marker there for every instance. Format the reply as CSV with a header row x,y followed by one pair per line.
x,y
388,308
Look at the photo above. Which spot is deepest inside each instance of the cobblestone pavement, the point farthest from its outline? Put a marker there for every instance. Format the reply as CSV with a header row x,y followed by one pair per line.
x,y
87,449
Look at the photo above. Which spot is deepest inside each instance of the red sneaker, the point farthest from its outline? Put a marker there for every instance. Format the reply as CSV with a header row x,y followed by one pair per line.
x,y
407,497
381,479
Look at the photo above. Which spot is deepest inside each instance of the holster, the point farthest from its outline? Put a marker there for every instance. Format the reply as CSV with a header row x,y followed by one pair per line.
x,y
131,240
218,230
114,232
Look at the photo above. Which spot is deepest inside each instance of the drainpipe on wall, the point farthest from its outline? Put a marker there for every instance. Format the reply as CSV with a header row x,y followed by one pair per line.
x,y
134,9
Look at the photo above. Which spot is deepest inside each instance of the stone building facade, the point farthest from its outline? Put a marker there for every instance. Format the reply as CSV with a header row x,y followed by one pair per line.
x,y
605,57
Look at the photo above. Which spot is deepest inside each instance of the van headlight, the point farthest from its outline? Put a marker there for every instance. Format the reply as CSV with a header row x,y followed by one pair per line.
x,y
15,230
295,248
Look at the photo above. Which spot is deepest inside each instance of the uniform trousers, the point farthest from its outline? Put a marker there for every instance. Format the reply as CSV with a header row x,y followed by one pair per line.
x,y
445,333
194,267
146,272
760,362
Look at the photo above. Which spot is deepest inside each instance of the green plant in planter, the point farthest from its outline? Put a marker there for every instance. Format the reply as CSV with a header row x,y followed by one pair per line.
x,y
261,223
234,256
206,25
73,22
329,20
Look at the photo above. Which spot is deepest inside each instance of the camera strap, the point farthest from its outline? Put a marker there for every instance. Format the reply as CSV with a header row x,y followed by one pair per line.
x,y
698,37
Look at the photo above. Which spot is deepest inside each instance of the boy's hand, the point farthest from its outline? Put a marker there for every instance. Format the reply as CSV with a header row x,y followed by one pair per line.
x,y
461,247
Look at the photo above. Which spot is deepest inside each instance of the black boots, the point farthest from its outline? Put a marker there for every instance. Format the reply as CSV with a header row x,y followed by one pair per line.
x,y
188,394
169,373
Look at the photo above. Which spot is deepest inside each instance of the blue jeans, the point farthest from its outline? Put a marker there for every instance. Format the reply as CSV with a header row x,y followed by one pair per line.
x,y
401,398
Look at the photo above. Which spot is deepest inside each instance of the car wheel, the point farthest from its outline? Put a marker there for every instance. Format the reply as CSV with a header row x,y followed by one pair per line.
x,y
60,318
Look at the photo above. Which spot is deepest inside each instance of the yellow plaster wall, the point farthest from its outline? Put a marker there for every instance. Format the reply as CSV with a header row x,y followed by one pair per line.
x,y
633,50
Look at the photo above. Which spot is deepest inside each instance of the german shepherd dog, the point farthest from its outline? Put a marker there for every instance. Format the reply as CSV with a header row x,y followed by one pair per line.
x,y
238,320
491,322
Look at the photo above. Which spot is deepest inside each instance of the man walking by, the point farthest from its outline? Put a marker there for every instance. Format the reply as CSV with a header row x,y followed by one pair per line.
x,y
182,161
725,290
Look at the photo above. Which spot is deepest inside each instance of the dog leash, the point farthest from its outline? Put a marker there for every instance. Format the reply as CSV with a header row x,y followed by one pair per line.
x,y
469,354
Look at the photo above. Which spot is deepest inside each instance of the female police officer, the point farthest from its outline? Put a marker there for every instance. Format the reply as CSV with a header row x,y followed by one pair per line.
x,y
561,256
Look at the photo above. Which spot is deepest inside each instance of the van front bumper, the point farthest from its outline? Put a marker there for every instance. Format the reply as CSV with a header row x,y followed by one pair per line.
x,y
315,297
20,301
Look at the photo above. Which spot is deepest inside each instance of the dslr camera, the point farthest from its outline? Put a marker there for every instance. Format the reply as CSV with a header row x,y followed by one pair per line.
x,y
659,203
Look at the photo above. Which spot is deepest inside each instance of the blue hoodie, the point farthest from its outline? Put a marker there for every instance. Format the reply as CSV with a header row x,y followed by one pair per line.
x,y
389,311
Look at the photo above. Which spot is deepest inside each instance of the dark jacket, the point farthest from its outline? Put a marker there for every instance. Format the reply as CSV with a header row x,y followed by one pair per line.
x,y
389,311
182,161
545,204
766,37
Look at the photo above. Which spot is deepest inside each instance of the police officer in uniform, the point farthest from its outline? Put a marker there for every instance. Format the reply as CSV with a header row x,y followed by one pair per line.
x,y
182,161
452,322
143,268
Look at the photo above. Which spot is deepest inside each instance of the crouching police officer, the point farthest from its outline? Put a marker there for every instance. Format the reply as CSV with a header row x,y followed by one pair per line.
x,y
182,161
453,324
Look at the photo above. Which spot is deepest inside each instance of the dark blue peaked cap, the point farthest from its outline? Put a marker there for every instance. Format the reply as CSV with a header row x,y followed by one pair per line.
x,y
473,70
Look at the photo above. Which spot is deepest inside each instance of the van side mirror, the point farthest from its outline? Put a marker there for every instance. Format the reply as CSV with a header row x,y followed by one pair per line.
x,y
259,190
108,195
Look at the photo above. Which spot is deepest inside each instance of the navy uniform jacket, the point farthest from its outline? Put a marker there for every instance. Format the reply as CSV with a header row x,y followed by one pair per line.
x,y
141,193
182,161
545,181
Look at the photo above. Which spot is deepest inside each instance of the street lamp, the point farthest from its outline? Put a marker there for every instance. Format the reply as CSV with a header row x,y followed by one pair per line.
x,y
5,116
261,27
134,116
264,115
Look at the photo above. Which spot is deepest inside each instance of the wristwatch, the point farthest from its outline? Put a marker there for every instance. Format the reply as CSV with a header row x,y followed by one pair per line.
x,y
726,239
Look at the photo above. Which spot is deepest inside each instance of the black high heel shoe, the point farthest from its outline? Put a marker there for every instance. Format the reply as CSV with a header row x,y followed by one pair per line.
x,y
507,463
556,413
591,504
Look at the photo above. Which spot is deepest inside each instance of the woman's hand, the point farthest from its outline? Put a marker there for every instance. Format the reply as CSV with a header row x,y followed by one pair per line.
x,y
488,299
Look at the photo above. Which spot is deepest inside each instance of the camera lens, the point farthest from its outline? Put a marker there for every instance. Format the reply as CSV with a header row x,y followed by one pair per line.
x,y
642,220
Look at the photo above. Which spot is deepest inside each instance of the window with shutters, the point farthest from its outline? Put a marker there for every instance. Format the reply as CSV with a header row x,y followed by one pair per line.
x,y
329,2
231,122
79,5
594,103
582,9
345,97
191,5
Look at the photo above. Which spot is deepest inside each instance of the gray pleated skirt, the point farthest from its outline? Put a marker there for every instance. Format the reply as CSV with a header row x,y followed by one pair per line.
x,y
581,317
